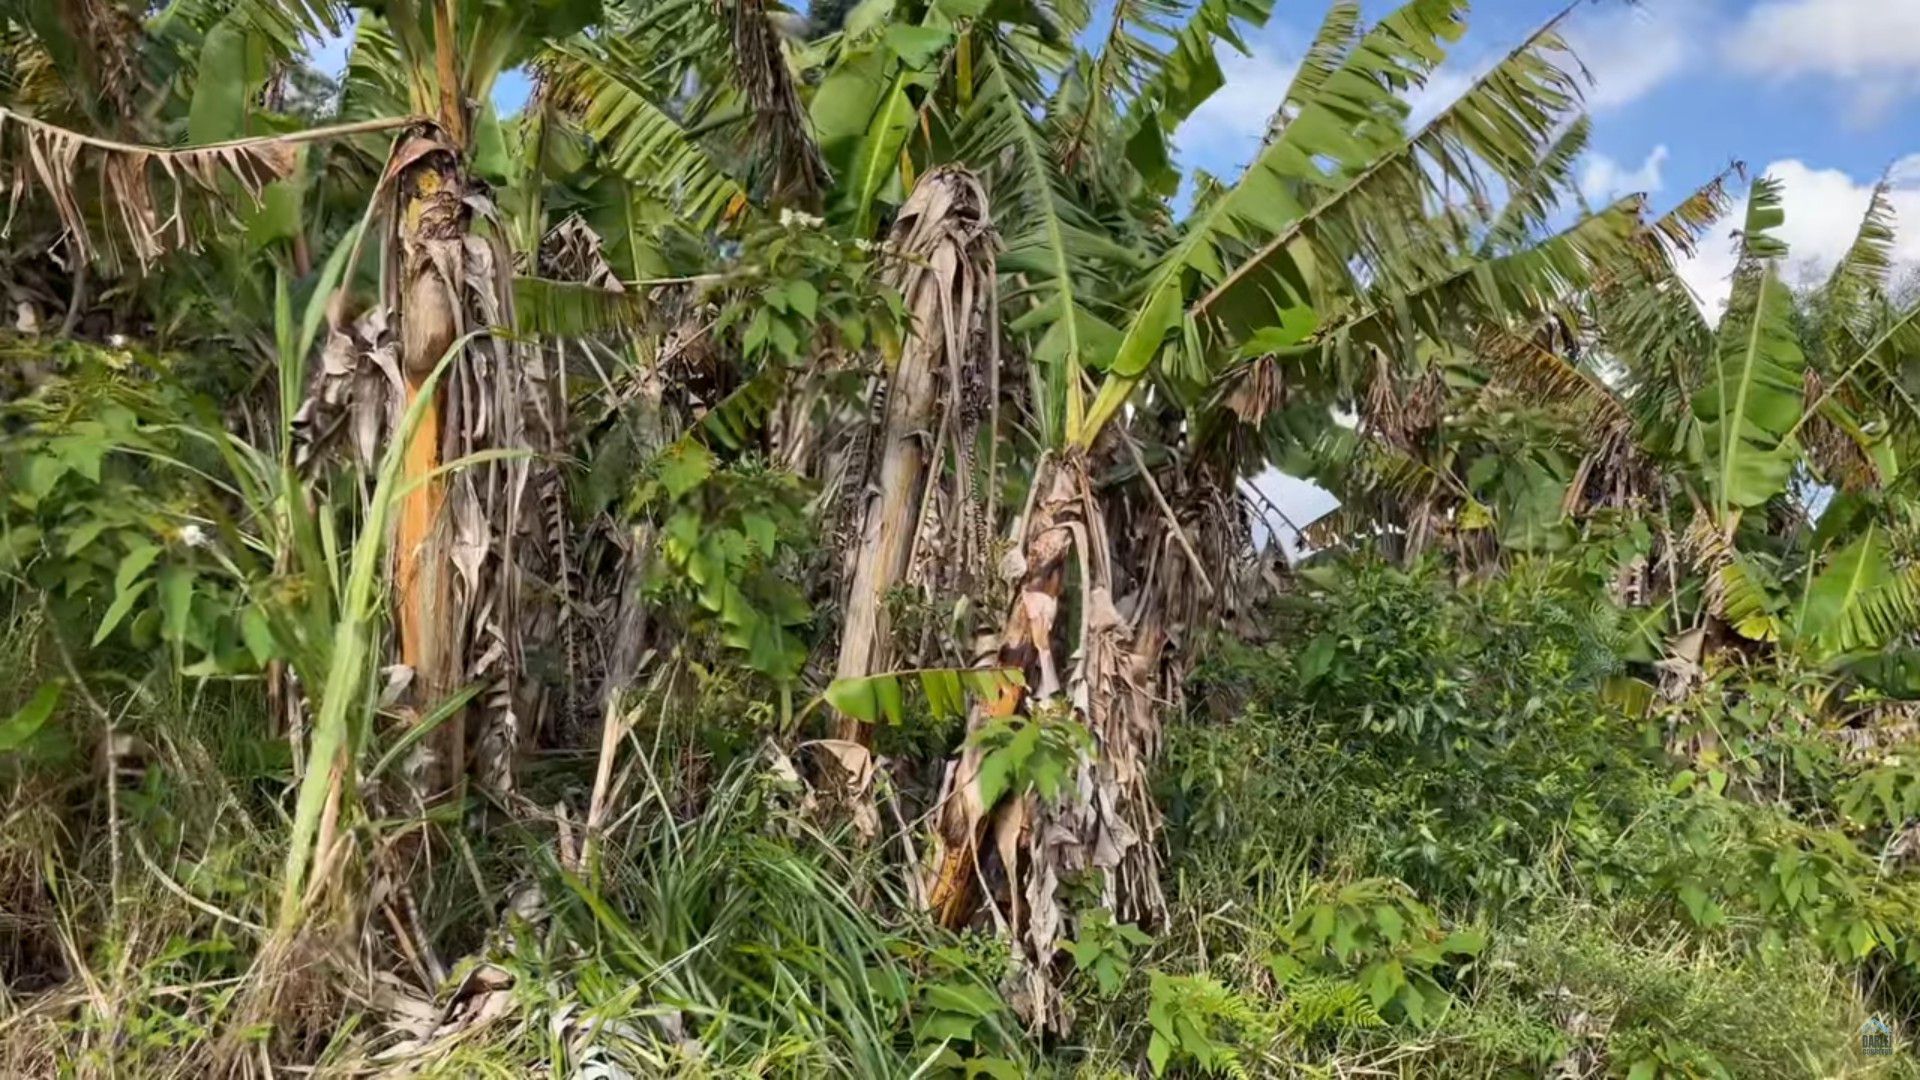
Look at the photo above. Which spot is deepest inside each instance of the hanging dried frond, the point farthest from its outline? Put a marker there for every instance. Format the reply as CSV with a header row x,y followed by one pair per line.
x,y
483,570
1614,475
1050,531
136,183
1255,390
356,392
781,131
1834,439
946,271
572,252
1025,848
1736,590
1535,369
1402,411
507,517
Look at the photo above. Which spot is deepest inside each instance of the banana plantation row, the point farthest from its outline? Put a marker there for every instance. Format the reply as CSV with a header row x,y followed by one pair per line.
x,y
888,365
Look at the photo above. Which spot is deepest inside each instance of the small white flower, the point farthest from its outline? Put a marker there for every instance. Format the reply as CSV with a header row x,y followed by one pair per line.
x,y
863,244
118,341
193,535
799,219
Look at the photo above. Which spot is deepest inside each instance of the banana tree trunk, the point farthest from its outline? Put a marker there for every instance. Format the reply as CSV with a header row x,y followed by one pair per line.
x,y
943,236
1027,642
431,218
893,512
1125,668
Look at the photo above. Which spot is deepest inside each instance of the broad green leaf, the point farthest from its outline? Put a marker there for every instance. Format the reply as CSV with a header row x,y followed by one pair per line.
x,y
803,298
83,537
967,999
643,142
1342,138
27,720
888,693
566,309
221,85
996,776
140,555
1750,598
176,601
854,697
277,217
683,467
1858,601
1388,919
871,697
1752,403
945,697
1052,243
257,632
916,46
122,603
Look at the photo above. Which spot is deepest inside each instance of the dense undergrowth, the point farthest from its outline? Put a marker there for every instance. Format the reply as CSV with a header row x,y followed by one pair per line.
x,y
1422,830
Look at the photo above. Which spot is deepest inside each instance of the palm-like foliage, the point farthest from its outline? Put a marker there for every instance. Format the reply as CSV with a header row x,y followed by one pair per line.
x,y
668,232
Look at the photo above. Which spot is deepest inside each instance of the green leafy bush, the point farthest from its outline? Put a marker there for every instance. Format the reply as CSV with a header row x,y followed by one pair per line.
x,y
1375,934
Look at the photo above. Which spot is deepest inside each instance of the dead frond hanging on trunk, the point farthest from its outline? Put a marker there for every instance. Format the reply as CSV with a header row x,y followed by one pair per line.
x,y
572,252
1019,851
136,184
1834,438
1614,475
482,572
781,130
921,523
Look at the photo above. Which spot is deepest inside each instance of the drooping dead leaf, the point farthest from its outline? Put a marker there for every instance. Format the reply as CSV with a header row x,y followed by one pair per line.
x,y
52,157
920,524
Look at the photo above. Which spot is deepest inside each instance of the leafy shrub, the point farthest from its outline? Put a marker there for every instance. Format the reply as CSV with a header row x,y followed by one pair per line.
x,y
1374,933
1199,1020
1411,753
1657,1003
1454,739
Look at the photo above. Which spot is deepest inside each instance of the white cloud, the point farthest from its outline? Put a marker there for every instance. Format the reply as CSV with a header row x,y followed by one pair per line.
x,y
1905,173
1871,48
1449,81
1824,208
1227,128
1628,48
1631,49
1604,180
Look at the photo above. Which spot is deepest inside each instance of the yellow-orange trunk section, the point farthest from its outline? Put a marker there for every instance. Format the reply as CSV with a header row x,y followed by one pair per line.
x,y
419,510
951,896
